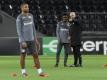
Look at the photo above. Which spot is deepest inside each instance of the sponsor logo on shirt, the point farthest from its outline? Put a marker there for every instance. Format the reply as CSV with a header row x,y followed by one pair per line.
x,y
28,23
63,29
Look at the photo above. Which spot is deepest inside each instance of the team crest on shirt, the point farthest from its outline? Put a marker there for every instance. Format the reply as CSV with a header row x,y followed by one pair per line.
x,y
29,17
23,17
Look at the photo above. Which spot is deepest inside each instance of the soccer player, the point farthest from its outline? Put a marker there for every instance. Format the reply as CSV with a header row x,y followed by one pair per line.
x,y
62,32
75,34
27,39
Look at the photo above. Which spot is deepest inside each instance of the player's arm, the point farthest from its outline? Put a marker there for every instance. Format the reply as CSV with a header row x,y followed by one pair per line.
x,y
36,40
19,32
57,31
34,30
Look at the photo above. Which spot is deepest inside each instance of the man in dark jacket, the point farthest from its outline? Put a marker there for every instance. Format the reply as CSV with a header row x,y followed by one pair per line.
x,y
62,32
75,34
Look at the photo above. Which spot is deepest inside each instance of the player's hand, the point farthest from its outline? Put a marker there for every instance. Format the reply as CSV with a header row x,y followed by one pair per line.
x,y
24,45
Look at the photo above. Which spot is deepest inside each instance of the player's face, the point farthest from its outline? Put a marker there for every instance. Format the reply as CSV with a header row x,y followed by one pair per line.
x,y
25,8
72,15
65,18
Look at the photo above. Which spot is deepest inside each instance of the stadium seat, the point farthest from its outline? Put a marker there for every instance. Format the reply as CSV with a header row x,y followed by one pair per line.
x,y
47,13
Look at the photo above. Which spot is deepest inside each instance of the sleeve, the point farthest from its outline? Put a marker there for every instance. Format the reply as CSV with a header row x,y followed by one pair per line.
x,y
70,28
34,30
19,30
78,22
57,31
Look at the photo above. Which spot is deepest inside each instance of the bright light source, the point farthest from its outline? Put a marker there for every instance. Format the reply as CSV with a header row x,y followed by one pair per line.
x,y
10,6
66,7
41,16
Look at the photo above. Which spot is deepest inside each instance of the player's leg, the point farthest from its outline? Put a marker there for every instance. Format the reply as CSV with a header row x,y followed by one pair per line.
x,y
75,50
37,65
22,64
59,48
78,62
79,56
33,51
66,52
36,60
22,60
75,56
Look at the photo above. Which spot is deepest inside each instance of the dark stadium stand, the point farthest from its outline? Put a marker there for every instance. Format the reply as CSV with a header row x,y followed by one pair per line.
x,y
46,13
0,19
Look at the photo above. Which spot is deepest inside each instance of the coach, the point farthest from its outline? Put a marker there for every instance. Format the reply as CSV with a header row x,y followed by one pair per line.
x,y
75,41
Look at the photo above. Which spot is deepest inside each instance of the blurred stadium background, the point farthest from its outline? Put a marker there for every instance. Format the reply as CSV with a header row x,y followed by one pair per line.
x,y
47,13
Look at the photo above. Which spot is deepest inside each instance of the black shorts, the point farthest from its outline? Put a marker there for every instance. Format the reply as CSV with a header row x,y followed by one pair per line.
x,y
31,47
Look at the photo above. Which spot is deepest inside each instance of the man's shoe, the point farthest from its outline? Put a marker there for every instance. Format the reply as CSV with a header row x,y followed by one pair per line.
x,y
43,75
56,65
77,65
24,74
80,65
65,65
72,65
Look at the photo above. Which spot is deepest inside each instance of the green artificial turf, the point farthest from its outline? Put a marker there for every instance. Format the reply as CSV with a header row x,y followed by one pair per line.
x,y
93,68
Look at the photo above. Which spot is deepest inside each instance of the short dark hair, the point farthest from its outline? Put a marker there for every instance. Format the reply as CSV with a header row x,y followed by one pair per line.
x,y
24,3
64,14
